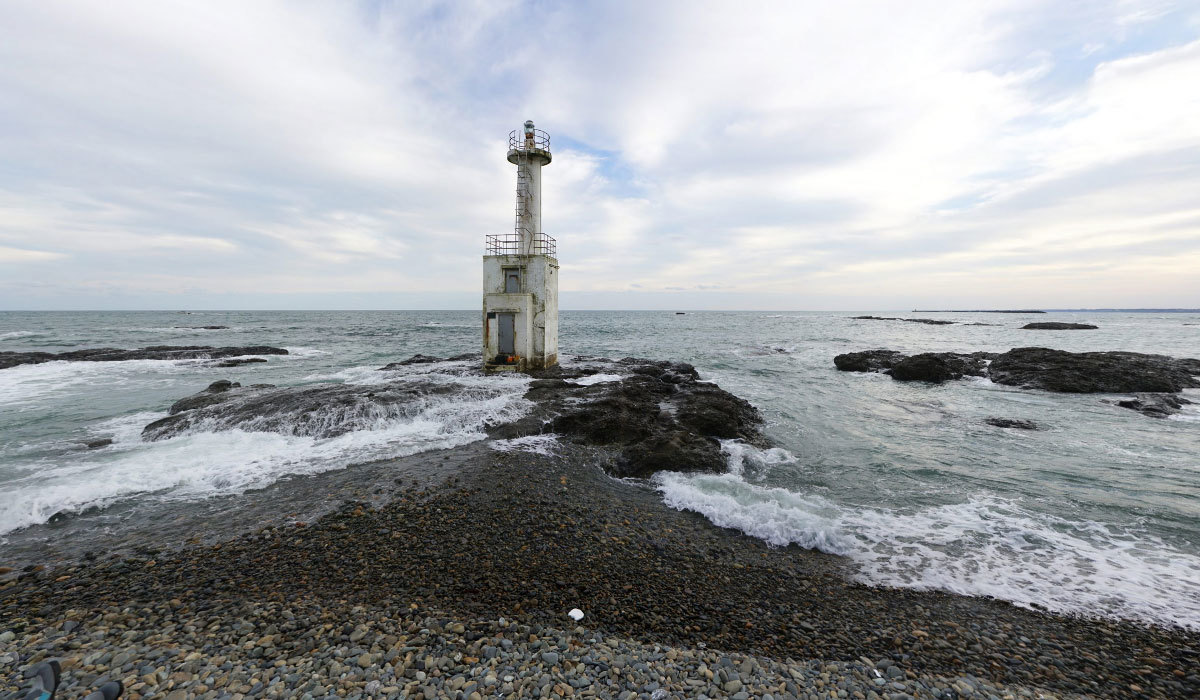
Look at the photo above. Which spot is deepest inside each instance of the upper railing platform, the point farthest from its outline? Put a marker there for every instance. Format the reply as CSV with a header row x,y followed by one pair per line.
x,y
518,140
510,244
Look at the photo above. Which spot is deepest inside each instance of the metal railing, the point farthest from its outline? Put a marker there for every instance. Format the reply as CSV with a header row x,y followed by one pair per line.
x,y
538,140
510,244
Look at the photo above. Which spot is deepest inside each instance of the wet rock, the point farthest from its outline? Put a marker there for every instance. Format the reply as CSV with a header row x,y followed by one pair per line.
x,y
420,359
238,362
939,367
323,410
1015,423
926,321
209,396
1155,405
1038,368
868,360
154,352
204,328
1093,372
97,444
1058,326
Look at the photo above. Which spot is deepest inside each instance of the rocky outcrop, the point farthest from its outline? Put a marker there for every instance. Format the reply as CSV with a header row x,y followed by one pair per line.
x,y
658,416
927,367
155,352
1058,326
1093,372
1152,377
938,367
868,360
320,411
204,328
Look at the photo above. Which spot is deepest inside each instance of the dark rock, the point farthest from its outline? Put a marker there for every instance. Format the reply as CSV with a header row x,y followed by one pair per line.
x,y
1155,405
1038,368
939,367
154,352
1012,423
978,311
322,410
96,444
420,359
204,328
238,362
1093,372
1058,326
926,321
209,396
868,360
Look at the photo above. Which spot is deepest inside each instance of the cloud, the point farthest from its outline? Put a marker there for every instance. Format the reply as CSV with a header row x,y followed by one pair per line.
x,y
793,151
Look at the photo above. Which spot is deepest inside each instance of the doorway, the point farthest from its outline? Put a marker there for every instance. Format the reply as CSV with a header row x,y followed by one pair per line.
x,y
507,332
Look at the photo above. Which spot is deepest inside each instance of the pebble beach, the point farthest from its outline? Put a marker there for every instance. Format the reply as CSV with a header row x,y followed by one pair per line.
x,y
461,589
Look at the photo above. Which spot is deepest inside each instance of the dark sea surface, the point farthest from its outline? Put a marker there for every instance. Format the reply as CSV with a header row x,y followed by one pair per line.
x,y
1098,514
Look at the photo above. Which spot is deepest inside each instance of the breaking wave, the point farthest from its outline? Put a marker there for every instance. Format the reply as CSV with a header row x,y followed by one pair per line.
x,y
213,458
985,546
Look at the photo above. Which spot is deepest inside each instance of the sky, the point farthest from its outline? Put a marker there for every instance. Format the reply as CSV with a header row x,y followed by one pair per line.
x,y
157,154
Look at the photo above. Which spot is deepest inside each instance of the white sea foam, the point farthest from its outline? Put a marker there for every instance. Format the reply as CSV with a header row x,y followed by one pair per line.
x,y
303,352
596,379
200,463
538,444
983,546
743,457
14,335
24,383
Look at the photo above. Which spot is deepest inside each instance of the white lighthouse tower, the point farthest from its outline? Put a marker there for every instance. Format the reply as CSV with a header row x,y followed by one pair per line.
x,y
520,271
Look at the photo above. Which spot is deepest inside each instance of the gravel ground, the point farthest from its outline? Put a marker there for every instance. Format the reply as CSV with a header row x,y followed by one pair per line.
x,y
407,599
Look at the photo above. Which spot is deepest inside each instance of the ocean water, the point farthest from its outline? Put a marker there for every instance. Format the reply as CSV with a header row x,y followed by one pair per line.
x,y
1098,514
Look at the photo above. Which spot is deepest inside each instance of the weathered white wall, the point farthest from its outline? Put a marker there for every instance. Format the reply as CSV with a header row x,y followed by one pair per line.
x,y
536,307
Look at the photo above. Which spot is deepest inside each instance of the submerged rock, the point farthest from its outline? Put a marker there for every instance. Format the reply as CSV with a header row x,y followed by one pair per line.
x,y
420,359
1012,423
1155,405
1058,326
239,361
320,411
926,321
154,352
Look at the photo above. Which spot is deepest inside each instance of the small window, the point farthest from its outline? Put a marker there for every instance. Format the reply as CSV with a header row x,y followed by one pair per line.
x,y
512,280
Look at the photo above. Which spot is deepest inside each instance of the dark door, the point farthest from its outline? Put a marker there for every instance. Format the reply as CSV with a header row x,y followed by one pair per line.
x,y
508,333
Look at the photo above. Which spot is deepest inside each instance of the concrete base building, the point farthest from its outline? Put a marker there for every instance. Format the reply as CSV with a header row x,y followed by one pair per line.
x,y
520,271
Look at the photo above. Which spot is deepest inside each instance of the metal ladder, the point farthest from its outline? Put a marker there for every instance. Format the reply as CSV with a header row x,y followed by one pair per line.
x,y
523,213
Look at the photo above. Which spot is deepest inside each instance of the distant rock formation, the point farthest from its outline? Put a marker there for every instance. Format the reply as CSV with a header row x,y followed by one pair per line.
x,y
155,352
927,321
978,311
1058,326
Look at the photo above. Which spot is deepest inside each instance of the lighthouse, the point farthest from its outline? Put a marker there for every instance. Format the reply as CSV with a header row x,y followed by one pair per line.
x,y
520,271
